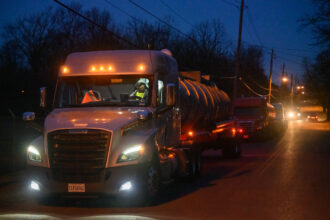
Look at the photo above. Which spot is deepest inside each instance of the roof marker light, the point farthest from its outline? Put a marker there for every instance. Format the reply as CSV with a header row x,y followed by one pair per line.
x,y
141,67
65,69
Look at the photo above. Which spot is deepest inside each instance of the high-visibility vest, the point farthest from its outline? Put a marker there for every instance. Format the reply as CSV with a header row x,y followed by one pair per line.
x,y
140,94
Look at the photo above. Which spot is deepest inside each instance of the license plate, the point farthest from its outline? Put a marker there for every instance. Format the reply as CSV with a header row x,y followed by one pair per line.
x,y
76,187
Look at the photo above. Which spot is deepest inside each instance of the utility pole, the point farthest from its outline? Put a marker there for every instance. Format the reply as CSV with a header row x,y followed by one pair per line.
x,y
282,87
291,90
238,55
283,68
270,75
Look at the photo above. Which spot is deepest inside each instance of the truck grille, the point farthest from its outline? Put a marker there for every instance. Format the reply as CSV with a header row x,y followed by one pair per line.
x,y
247,126
78,155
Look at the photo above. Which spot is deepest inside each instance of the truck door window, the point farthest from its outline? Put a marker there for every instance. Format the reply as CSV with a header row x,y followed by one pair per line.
x,y
161,94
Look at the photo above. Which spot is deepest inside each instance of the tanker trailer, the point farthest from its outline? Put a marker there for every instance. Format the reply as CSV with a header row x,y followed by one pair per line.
x,y
205,116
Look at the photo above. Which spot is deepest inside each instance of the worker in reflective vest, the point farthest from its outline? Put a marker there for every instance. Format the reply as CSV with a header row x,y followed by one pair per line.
x,y
141,92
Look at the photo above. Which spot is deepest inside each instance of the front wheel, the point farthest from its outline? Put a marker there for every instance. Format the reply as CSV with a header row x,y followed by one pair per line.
x,y
151,185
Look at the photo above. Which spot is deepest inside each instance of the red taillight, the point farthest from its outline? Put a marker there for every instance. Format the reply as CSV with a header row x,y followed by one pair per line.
x,y
241,131
245,136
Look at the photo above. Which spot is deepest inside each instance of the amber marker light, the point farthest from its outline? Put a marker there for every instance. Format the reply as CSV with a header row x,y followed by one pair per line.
x,y
141,68
65,69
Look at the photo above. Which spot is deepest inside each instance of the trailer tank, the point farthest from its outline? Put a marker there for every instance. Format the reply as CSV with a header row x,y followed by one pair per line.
x,y
202,103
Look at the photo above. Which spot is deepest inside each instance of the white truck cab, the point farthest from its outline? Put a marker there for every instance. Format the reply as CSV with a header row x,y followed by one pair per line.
x,y
112,114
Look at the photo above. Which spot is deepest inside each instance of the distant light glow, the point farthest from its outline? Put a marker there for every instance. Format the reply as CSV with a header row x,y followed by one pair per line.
x,y
101,68
285,79
291,114
110,68
93,68
190,133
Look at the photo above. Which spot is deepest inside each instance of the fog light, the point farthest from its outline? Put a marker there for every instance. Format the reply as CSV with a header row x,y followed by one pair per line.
x,y
126,186
34,186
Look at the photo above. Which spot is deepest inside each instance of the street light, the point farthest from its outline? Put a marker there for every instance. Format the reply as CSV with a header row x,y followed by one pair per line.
x,y
298,87
285,79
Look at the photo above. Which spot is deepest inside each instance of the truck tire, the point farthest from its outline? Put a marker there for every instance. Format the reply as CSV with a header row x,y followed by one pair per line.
x,y
194,167
198,164
232,149
151,185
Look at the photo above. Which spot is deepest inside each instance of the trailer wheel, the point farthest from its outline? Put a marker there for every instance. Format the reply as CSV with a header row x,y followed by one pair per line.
x,y
198,164
194,164
232,149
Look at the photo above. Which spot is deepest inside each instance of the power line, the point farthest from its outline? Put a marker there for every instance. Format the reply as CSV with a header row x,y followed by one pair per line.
x,y
250,89
230,3
94,23
176,13
254,27
162,21
122,11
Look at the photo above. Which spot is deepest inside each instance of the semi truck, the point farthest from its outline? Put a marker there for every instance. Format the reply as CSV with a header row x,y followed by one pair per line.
x,y
123,122
254,115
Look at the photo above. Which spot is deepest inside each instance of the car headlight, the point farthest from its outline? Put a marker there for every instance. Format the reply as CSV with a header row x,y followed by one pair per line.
x,y
33,154
131,153
291,114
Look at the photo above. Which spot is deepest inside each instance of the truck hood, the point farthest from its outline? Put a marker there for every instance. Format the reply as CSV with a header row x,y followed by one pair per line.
x,y
91,117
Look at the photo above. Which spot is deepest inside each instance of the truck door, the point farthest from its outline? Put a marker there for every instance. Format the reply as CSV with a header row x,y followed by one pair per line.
x,y
167,119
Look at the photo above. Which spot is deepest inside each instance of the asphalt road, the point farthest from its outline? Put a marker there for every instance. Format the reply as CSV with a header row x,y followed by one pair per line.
x,y
284,178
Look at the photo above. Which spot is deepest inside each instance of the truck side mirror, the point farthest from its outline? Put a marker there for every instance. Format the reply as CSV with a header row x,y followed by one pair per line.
x,y
170,94
43,96
28,116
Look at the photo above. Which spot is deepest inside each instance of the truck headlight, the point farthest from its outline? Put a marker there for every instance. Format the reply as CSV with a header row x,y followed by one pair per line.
x,y
131,153
33,154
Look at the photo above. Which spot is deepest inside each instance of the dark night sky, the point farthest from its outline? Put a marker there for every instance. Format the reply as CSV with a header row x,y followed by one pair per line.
x,y
275,21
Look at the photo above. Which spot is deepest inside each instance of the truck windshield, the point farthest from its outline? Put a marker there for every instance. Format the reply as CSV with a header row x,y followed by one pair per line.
x,y
248,111
81,91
